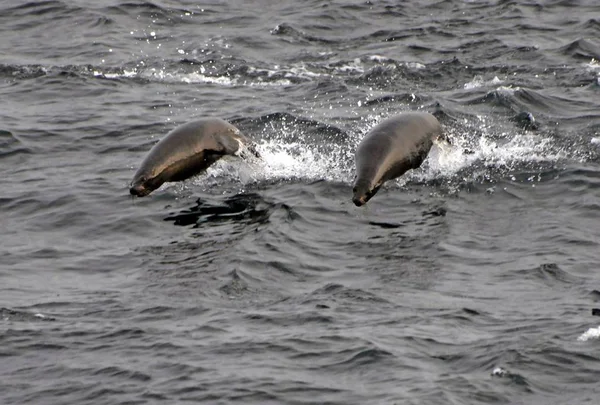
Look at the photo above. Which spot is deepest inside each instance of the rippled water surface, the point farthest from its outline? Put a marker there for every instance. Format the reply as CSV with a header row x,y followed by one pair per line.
x,y
471,280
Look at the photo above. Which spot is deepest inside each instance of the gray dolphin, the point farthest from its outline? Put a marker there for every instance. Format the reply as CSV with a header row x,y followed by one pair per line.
x,y
390,149
189,150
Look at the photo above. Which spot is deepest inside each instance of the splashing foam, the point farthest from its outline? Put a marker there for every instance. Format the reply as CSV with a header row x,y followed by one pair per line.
x,y
284,159
446,160
295,160
470,157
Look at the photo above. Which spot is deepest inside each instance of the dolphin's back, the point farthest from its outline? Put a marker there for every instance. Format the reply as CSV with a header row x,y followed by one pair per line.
x,y
397,145
194,139
188,150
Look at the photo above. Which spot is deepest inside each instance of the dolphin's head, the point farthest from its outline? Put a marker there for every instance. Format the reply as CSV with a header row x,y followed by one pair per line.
x,y
363,190
144,183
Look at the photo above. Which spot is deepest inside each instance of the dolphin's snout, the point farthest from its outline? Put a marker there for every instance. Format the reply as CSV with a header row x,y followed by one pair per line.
x,y
139,190
359,196
359,200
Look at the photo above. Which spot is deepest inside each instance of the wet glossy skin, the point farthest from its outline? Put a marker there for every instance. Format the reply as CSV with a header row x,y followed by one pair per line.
x,y
390,149
186,151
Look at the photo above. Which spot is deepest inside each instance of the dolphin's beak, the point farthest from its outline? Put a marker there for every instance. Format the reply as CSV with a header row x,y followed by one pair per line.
x,y
139,190
359,200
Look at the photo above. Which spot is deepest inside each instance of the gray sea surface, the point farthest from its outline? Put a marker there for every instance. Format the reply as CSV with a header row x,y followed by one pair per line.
x,y
471,280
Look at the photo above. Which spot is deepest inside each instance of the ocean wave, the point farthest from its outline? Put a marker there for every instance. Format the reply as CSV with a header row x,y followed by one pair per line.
x,y
468,280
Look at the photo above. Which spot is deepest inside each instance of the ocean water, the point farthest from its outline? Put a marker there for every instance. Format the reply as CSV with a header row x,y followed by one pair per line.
x,y
472,280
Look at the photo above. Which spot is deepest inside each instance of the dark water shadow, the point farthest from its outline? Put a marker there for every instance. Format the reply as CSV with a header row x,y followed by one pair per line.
x,y
247,208
15,315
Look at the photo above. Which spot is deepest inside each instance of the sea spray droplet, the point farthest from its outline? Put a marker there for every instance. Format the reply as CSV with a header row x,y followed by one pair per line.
x,y
499,372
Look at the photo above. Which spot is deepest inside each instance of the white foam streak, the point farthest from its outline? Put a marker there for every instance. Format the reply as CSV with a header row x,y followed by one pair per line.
x,y
194,77
108,75
162,75
591,333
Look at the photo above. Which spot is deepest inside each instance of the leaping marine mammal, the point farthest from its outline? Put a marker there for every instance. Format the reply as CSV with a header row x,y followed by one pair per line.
x,y
188,150
390,149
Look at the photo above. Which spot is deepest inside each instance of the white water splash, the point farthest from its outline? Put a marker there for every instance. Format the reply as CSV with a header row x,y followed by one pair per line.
x,y
415,65
288,157
509,90
593,65
379,59
284,161
499,372
301,71
591,333
446,160
479,82
356,66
